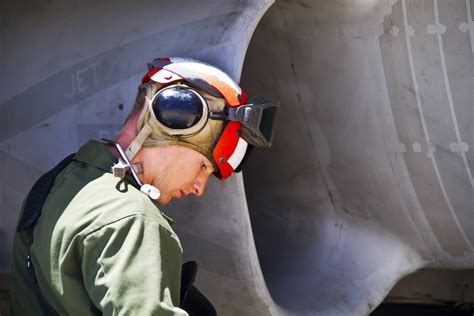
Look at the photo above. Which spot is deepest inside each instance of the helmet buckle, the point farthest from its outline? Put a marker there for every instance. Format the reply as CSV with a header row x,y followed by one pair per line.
x,y
120,169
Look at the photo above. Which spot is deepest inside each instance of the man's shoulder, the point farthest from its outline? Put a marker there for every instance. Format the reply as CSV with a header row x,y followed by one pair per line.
x,y
84,199
108,199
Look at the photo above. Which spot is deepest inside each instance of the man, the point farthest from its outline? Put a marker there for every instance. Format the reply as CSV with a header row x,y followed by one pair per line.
x,y
90,239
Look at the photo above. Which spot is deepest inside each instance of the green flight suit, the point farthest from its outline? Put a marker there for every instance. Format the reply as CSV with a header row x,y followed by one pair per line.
x,y
100,247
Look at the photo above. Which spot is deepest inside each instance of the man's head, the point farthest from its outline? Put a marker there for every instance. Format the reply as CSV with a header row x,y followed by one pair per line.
x,y
176,170
190,120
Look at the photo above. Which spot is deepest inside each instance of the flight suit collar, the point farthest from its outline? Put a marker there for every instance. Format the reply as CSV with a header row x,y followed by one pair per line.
x,y
95,153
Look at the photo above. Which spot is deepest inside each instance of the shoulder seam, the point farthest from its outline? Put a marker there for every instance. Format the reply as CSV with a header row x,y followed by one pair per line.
x,y
109,223
126,217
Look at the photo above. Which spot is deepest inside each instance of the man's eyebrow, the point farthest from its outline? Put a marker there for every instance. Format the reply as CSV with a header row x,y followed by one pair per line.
x,y
208,165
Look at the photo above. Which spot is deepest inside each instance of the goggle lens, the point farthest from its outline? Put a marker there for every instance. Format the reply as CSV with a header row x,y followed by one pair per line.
x,y
177,107
266,123
257,118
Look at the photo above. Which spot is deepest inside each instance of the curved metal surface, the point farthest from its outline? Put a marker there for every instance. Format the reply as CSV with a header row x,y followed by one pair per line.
x,y
70,71
370,175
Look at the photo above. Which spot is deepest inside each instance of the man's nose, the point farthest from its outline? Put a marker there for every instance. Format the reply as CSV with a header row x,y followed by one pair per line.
x,y
199,186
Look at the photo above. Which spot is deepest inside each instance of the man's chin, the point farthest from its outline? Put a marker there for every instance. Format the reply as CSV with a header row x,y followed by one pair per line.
x,y
163,200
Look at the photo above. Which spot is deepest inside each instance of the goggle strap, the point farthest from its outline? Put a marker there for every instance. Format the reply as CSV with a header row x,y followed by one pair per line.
x,y
220,116
137,143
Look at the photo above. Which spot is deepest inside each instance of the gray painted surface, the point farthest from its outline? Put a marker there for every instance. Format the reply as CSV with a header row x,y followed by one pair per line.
x,y
66,70
351,198
370,175
429,286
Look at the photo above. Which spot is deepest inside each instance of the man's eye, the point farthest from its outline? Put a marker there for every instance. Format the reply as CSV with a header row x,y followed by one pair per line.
x,y
204,167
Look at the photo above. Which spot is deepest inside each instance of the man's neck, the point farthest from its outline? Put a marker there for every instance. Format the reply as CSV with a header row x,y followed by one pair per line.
x,y
125,137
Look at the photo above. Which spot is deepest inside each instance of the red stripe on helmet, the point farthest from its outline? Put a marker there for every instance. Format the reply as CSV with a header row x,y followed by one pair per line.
x,y
225,147
146,77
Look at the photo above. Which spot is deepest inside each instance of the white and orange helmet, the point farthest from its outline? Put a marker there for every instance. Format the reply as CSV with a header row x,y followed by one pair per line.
x,y
201,107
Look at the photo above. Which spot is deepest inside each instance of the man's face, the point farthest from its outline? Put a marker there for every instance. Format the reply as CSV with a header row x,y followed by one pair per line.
x,y
175,170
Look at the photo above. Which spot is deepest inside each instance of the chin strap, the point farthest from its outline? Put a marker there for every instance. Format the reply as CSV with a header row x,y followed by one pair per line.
x,y
124,165
137,167
137,143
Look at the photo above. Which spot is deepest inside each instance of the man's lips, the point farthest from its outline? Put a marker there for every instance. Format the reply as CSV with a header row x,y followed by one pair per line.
x,y
179,194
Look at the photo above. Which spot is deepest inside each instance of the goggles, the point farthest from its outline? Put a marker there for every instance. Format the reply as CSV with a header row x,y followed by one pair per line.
x,y
183,112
